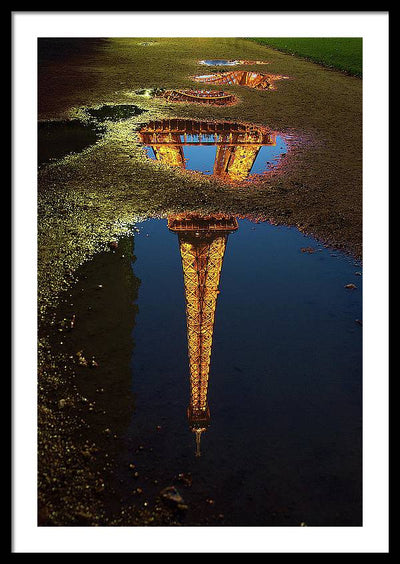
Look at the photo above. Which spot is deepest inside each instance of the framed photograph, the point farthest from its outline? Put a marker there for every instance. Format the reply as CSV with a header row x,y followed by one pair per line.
x,y
200,282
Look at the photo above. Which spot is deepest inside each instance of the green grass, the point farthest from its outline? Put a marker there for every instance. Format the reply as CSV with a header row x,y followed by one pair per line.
x,y
341,53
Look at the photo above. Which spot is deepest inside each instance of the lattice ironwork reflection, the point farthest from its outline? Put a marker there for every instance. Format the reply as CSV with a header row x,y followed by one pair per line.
x,y
237,144
202,243
257,80
208,97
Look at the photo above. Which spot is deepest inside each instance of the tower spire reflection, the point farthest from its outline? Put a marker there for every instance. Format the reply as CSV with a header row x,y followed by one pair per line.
x,y
202,243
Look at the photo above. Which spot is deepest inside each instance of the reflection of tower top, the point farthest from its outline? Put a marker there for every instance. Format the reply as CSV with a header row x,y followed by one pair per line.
x,y
198,437
202,242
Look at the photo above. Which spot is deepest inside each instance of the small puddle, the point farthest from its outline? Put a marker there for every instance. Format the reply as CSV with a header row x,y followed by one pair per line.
x,y
114,113
57,139
233,152
230,63
207,97
257,80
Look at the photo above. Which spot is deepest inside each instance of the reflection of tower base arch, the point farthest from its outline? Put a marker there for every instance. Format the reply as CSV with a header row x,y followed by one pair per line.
x,y
235,163
238,144
202,244
171,155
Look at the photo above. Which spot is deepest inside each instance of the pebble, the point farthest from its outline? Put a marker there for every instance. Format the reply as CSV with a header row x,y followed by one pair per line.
x,y
172,497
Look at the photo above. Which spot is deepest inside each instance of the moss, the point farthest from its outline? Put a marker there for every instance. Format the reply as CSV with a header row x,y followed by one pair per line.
x,y
341,53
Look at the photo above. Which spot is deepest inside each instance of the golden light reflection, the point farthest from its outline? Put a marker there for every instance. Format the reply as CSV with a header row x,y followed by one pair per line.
x,y
202,243
251,79
208,97
237,144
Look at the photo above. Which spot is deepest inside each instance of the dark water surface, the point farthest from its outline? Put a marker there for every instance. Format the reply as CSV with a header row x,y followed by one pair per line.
x,y
283,446
56,139
114,112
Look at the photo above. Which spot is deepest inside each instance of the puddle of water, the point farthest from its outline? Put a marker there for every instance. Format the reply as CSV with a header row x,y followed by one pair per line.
x,y
230,63
114,113
257,80
251,405
208,97
231,151
247,386
56,139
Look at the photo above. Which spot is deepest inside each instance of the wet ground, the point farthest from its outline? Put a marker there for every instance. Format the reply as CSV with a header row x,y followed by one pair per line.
x,y
199,362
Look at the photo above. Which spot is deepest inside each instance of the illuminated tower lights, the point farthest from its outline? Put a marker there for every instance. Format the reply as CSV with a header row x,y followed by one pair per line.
x,y
202,243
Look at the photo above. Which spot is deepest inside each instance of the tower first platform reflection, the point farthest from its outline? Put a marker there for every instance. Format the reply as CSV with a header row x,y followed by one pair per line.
x,y
202,243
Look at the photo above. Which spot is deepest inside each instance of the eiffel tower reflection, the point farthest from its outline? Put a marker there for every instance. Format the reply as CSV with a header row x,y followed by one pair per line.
x,y
237,144
202,244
